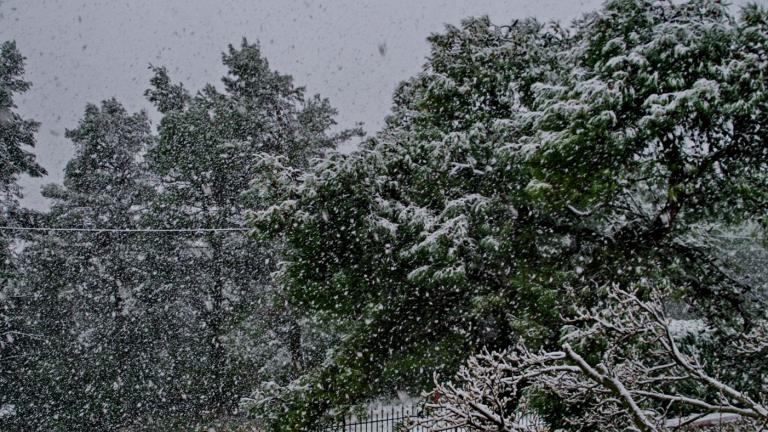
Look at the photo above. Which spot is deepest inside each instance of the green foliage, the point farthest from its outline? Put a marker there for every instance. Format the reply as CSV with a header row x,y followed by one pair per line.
x,y
17,137
205,157
82,290
147,331
16,133
525,166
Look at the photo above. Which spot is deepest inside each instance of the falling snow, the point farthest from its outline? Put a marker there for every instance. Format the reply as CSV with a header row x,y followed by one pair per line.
x,y
555,225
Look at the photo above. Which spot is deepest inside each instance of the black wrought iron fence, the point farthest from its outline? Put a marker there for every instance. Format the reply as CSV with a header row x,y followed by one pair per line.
x,y
396,419
392,419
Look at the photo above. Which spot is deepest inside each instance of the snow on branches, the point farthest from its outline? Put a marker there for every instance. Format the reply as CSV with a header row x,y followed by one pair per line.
x,y
646,376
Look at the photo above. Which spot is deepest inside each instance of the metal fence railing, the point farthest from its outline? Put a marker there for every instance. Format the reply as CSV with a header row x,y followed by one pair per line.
x,y
392,419
395,419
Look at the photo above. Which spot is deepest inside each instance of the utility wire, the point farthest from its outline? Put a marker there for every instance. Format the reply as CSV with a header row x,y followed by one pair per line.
x,y
119,230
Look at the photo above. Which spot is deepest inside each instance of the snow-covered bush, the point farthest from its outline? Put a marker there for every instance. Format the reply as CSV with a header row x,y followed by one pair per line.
x,y
647,375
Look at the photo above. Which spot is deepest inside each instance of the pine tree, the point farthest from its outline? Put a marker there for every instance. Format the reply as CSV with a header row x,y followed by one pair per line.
x,y
94,369
17,134
208,152
17,137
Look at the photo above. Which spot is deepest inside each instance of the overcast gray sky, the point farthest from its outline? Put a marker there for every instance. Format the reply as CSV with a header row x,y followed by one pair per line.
x,y
82,51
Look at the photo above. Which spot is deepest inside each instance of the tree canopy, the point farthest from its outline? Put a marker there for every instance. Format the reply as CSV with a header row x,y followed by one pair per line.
x,y
523,170
17,138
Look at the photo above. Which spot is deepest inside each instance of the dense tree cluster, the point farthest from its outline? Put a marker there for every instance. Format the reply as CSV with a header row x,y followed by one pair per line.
x,y
524,170
146,330
570,218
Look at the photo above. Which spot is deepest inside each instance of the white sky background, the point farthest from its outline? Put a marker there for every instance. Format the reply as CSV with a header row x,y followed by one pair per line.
x,y
82,51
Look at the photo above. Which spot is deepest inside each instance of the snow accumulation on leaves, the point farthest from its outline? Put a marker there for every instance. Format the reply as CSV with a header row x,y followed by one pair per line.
x,y
570,221
528,166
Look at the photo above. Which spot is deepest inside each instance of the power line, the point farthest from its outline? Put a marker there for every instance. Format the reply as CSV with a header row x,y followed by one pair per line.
x,y
121,230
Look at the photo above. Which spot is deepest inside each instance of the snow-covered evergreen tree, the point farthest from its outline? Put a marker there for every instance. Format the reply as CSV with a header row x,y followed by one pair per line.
x,y
523,169
17,137
88,295
17,134
204,160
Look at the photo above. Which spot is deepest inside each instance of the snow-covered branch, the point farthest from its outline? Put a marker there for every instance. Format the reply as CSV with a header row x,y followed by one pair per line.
x,y
645,379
